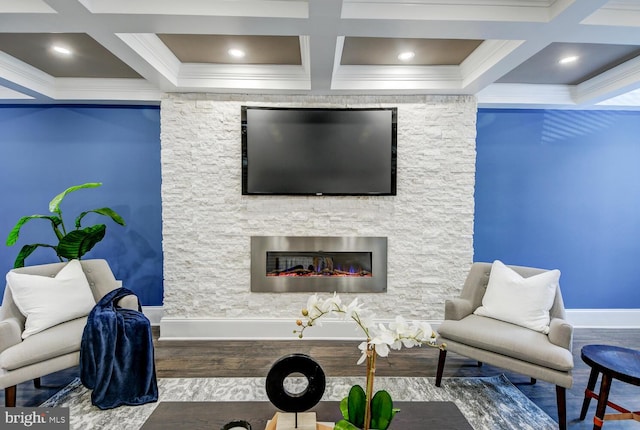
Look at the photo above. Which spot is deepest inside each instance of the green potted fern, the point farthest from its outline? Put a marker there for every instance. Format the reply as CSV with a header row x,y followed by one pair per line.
x,y
71,244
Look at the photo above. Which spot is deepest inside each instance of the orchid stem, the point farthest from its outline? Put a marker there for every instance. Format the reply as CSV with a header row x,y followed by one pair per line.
x,y
371,370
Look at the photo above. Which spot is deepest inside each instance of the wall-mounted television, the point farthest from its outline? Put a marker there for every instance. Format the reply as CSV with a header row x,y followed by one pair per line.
x,y
319,151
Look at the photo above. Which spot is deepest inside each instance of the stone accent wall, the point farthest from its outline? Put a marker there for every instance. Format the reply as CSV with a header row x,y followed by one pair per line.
x,y
207,223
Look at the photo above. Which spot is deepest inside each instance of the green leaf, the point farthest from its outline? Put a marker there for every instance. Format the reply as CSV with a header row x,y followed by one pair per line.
x,y
356,405
344,425
381,410
102,211
79,242
54,204
15,231
26,251
344,407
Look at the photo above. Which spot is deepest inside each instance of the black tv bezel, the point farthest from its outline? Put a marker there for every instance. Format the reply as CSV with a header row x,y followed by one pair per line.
x,y
394,150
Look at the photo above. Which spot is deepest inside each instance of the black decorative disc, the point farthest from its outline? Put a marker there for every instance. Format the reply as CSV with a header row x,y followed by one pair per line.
x,y
295,402
235,424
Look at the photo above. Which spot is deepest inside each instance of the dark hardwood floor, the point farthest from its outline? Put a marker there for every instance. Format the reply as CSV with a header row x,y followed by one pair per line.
x,y
338,358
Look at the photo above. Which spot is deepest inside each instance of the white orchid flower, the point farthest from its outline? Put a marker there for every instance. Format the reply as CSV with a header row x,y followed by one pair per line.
x,y
380,338
382,349
384,339
425,330
400,326
312,301
409,342
313,307
352,309
363,347
331,304
399,332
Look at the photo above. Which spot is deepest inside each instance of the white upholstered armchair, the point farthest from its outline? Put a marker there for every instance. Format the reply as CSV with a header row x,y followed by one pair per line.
x,y
511,346
24,358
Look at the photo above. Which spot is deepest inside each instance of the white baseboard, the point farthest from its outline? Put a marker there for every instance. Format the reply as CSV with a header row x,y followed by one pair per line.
x,y
282,329
604,318
153,313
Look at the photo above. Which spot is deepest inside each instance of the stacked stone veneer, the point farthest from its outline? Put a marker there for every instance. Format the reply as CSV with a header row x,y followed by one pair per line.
x,y
207,223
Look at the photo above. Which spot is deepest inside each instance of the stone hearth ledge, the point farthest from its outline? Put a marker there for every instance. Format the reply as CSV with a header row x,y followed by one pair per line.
x,y
172,328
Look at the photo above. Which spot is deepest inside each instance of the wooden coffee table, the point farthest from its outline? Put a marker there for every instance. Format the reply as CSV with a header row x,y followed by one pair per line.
x,y
614,363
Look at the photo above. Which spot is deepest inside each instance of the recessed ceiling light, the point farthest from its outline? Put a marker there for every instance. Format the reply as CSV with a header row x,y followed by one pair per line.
x,y
61,50
567,60
406,56
236,53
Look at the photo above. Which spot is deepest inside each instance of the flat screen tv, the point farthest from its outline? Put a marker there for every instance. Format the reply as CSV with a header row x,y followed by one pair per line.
x,y
318,151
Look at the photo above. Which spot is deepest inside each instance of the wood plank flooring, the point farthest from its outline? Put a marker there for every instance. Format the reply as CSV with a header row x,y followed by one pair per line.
x,y
338,358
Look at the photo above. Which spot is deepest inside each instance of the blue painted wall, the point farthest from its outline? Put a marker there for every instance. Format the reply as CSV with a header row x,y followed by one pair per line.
x,y
555,189
46,149
561,189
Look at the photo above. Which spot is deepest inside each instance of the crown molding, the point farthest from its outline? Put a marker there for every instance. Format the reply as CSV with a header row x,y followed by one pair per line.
x,y
203,77
138,90
614,82
526,96
437,79
23,75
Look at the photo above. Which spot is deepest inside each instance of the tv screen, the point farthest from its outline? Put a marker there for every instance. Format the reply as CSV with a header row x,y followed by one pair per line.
x,y
316,151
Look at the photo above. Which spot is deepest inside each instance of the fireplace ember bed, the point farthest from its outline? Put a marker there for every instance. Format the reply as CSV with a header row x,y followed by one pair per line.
x,y
318,264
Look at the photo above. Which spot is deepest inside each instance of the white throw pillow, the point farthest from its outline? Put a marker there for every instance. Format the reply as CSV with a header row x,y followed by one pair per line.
x,y
517,300
47,301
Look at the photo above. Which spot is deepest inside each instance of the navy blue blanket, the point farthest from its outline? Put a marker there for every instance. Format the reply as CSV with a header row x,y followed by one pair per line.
x,y
116,355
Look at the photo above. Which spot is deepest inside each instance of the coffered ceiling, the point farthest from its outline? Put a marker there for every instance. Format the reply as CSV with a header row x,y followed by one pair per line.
x,y
506,52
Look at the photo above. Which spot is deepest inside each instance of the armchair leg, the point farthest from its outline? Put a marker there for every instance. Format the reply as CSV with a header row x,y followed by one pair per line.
x,y
10,396
561,397
441,358
37,383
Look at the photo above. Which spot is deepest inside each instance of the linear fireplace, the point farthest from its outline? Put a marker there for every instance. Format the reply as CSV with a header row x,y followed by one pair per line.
x,y
347,264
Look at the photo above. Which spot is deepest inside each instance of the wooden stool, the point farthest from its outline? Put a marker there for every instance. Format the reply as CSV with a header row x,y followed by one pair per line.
x,y
614,363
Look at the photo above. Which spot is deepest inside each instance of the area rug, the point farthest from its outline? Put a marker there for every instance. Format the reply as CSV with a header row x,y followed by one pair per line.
x,y
488,403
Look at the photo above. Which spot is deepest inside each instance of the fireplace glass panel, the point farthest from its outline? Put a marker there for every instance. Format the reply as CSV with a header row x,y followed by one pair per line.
x,y
319,264
342,264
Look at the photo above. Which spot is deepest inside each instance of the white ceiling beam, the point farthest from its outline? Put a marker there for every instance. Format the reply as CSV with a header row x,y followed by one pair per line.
x,y
427,11
324,16
478,69
246,8
564,16
25,6
618,13
150,48
513,31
